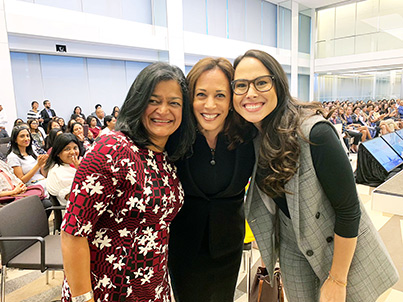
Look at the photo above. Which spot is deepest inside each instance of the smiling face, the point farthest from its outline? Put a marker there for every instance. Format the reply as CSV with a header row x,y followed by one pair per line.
x,y
78,130
70,152
211,101
163,114
254,105
23,139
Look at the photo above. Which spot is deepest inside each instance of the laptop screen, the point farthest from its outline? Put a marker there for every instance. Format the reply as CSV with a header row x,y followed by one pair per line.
x,y
383,153
395,141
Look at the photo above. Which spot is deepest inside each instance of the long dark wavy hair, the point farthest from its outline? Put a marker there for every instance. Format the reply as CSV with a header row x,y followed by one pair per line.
x,y
138,97
280,149
13,142
236,129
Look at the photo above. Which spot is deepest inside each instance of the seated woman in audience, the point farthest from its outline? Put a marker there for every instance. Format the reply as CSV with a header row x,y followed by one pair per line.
x,y
77,111
360,118
61,166
351,125
36,134
115,112
51,138
338,118
18,121
12,188
10,185
83,142
53,124
93,128
62,124
21,157
109,124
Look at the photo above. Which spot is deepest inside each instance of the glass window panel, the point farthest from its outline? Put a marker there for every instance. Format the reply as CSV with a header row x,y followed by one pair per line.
x,y
343,47
325,24
107,82
253,25
236,19
367,17
160,12
366,43
109,8
194,22
65,81
304,34
390,40
285,28
132,71
269,24
216,18
27,81
325,49
138,11
71,4
345,20
303,87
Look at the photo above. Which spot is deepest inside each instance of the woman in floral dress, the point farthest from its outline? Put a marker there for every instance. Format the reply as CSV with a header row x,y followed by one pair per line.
x,y
125,195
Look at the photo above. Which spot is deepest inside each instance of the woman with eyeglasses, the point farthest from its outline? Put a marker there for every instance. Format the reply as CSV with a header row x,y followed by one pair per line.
x,y
36,134
207,235
302,203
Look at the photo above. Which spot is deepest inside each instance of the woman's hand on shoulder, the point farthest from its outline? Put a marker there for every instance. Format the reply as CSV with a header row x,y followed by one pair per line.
x,y
332,292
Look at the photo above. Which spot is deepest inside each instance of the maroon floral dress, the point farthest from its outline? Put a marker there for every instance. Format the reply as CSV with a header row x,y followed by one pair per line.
x,y
123,200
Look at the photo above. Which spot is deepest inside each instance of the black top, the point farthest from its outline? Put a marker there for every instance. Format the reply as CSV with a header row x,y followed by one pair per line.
x,y
213,209
334,173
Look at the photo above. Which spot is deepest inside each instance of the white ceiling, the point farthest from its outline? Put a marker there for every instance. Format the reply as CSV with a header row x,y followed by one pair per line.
x,y
312,3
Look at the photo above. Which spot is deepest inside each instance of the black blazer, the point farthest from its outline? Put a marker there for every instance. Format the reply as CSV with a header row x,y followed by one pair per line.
x,y
217,218
46,118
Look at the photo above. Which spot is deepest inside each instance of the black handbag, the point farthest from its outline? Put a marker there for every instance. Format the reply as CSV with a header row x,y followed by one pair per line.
x,y
262,290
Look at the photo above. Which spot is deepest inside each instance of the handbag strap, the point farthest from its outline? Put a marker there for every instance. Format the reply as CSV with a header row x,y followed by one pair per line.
x,y
260,290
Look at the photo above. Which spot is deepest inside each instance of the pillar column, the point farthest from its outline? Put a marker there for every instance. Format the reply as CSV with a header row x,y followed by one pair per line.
x,y
7,97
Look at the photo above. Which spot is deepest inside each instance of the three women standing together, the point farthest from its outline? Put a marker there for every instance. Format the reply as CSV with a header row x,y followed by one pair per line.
x,y
127,192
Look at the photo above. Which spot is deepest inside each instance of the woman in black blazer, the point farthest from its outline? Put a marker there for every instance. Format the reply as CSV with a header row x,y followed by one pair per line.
x,y
207,235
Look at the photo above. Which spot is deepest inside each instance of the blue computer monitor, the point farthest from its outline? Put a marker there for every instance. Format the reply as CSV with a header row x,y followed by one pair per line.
x,y
400,132
383,153
395,141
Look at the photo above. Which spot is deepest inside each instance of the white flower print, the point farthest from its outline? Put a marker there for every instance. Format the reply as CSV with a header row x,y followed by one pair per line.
x,y
135,202
99,205
131,176
119,264
114,181
150,153
129,291
165,180
124,232
147,191
97,188
111,258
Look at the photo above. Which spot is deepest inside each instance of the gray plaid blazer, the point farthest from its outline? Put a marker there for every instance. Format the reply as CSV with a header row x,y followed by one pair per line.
x,y
372,271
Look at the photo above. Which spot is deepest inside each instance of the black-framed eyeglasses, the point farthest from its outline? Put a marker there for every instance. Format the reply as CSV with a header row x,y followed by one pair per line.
x,y
261,84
